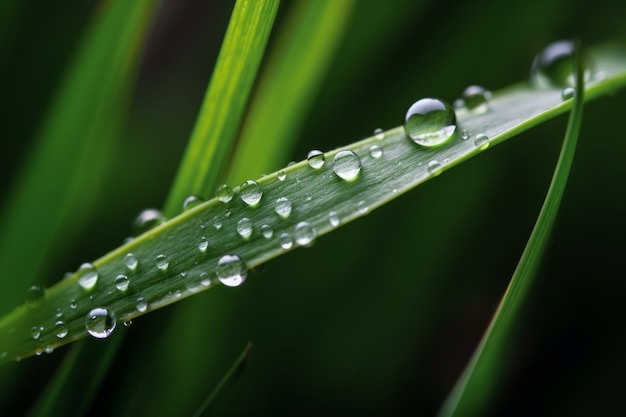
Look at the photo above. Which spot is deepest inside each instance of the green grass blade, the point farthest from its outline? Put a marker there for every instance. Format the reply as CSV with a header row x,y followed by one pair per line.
x,y
477,386
224,103
314,194
288,86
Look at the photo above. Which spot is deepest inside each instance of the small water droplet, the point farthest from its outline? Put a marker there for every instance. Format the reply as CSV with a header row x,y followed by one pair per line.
x,y
568,93
217,223
87,276
146,220
430,122
362,207
281,176
554,66
61,329
315,159
231,270
48,349
375,151
121,282
162,263
142,305
434,167
203,245
130,260
35,296
35,332
244,227
128,323
465,134
481,141
205,279
379,134
283,207
251,193
333,218
227,213
475,98
304,234
225,193
347,165
100,322
73,304
59,313
192,201
285,240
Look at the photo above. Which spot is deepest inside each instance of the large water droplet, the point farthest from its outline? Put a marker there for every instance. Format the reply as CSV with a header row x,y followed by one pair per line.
x,y
475,98
283,207
121,282
304,234
146,220
375,151
35,296
554,66
333,219
231,270
251,193
87,276
347,165
100,322
162,263
481,141
224,193
285,240
130,260
316,159
267,231
430,122
244,227
192,201
203,245
60,329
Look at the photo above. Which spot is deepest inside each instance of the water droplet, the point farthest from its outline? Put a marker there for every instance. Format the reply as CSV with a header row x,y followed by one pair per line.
x,y
375,151
142,305
100,322
128,323
281,176
286,242
217,223
379,134
35,296
162,263
48,350
203,245
430,122
231,270
434,167
481,141
304,234
61,329
251,193
35,332
205,280
568,93
73,304
333,219
225,193
87,276
475,98
347,165
283,207
316,159
554,66
121,282
362,207
192,201
130,261
59,312
244,227
146,220
267,231
465,134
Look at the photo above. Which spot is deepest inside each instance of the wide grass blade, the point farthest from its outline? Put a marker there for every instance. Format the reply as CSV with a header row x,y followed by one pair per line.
x,y
224,103
478,384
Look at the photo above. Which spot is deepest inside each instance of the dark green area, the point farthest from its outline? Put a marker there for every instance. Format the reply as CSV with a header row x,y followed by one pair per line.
x,y
381,316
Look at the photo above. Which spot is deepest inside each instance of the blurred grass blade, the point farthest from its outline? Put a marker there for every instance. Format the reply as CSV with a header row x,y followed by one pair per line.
x,y
186,254
227,383
224,103
289,83
478,384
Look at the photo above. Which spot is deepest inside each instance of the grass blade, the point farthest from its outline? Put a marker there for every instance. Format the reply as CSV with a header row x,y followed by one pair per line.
x,y
224,103
478,383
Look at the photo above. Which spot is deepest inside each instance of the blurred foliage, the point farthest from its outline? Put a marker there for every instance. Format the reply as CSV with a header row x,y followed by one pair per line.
x,y
381,316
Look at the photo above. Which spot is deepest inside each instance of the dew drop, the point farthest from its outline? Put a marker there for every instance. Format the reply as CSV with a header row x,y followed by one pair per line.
x,y
100,322
315,159
142,305
244,227
87,276
379,134
465,134
35,296
554,66
568,93
375,151
121,282
146,220
285,240
347,165
475,98
434,167
267,231
224,193
251,193
362,207
35,332
231,270
128,323
430,122
48,349
333,218
192,201
217,223
130,260
162,263
203,245
304,234
61,329
205,280
281,176
73,304
283,207
481,141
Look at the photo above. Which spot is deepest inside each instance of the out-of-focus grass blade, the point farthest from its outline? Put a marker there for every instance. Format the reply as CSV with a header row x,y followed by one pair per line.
x,y
224,103
289,83
477,386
